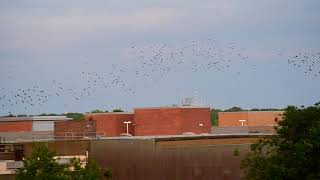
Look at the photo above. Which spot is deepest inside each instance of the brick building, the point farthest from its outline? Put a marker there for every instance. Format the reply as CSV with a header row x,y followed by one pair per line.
x,y
249,118
29,124
28,128
171,120
96,124
112,124
74,129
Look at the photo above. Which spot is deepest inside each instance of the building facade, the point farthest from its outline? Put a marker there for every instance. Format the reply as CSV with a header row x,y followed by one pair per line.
x,y
171,121
28,128
112,124
96,125
249,118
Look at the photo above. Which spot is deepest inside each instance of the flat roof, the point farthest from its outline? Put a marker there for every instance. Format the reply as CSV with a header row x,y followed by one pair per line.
x,y
109,113
34,118
157,138
178,107
253,112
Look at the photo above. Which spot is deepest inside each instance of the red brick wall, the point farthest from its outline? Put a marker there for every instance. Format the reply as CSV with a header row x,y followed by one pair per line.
x,y
74,129
112,124
195,116
158,121
231,118
16,126
264,118
254,118
171,121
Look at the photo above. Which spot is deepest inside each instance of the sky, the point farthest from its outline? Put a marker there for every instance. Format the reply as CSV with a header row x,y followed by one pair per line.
x,y
49,45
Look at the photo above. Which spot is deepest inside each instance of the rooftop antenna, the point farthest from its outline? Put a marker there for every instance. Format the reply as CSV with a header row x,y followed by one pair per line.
x,y
196,98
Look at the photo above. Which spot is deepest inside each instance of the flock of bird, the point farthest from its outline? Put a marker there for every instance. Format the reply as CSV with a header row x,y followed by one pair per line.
x,y
307,61
192,56
113,79
151,62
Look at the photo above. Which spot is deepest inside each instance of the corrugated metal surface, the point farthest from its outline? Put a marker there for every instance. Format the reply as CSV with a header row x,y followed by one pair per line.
x,y
144,159
43,126
184,158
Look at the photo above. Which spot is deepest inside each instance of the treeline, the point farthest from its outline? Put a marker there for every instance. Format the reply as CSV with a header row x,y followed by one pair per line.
x,y
73,115
214,112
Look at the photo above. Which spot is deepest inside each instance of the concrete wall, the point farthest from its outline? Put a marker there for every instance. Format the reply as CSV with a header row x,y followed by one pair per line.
x,y
26,136
253,118
171,121
20,126
42,126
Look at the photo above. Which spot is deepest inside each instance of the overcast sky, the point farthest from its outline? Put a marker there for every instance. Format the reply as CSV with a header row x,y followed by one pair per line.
x,y
43,42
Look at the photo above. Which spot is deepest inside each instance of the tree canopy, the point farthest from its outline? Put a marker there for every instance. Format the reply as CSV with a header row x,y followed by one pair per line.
x,y
293,152
97,111
234,109
117,110
76,116
214,116
43,166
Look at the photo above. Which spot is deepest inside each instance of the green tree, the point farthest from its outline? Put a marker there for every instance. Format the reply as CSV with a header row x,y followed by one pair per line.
x,y
76,116
42,166
214,116
293,152
97,111
91,171
117,110
234,109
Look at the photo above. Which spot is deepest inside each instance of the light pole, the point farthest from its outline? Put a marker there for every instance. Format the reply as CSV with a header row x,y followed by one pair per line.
x,y
242,121
127,123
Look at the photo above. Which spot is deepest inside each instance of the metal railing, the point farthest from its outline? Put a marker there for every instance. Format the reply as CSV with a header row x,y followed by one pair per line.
x,y
8,137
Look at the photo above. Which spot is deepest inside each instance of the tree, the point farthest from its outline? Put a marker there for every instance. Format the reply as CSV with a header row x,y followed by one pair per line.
x,y
97,111
234,109
76,116
293,152
117,110
214,116
91,172
42,166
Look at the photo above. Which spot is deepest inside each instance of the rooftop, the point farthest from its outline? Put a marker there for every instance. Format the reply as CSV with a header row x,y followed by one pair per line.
x,y
34,118
156,138
253,112
109,113
171,107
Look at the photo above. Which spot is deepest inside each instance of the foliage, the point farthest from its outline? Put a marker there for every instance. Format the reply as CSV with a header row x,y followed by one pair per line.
x,y
97,111
42,166
50,114
75,116
234,109
91,172
214,116
236,152
22,115
293,152
117,110
267,109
